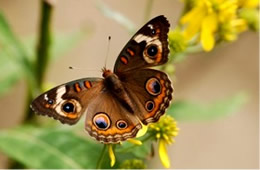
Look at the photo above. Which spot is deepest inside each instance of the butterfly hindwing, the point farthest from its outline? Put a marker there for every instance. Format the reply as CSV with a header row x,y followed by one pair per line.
x,y
108,121
151,92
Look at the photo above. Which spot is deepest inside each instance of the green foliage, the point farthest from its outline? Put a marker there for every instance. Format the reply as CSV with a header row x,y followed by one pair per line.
x,y
133,164
12,57
16,58
49,148
190,111
251,16
61,148
140,152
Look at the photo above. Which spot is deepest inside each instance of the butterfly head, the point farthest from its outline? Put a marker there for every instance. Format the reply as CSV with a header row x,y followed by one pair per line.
x,y
106,72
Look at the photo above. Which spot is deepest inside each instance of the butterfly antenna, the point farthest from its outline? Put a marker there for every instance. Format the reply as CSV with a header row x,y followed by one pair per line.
x,y
78,68
109,38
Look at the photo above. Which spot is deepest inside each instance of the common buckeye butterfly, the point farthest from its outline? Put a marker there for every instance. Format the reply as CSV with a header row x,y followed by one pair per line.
x,y
118,104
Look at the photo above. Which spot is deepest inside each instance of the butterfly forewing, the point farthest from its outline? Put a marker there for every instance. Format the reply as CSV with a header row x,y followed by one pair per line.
x,y
68,102
148,47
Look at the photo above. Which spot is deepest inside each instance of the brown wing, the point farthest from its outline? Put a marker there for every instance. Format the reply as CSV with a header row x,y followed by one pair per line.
x,y
108,121
68,102
148,47
151,90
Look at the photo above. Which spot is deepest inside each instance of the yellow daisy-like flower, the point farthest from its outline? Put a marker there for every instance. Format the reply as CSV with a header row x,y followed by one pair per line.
x,y
207,17
131,140
249,11
177,42
111,155
248,3
164,131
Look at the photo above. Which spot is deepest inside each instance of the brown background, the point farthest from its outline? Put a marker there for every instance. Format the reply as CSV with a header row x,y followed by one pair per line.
x,y
230,142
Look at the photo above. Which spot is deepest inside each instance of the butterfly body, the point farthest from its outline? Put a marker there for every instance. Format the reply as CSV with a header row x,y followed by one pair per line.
x,y
118,104
115,86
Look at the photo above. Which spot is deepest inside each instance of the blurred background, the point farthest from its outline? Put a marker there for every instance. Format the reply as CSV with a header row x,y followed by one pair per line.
x,y
227,142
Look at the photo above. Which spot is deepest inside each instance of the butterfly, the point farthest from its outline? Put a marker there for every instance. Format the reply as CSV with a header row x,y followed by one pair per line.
x,y
117,105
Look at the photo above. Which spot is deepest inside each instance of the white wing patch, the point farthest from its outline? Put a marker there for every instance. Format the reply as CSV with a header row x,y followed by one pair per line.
x,y
59,93
140,37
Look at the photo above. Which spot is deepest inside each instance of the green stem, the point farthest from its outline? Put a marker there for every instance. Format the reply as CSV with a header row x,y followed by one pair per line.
x,y
42,58
101,158
44,42
148,10
29,113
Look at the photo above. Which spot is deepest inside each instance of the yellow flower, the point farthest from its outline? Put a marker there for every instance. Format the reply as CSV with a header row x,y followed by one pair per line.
x,y
140,133
229,31
207,17
248,3
111,155
135,141
177,41
163,153
249,11
164,131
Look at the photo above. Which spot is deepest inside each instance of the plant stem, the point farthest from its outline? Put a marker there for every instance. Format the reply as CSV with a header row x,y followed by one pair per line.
x,y
42,58
101,158
29,113
148,10
44,42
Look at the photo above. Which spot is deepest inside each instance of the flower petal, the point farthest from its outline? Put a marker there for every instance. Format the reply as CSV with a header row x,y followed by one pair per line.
x,y
142,131
111,155
194,23
249,3
163,154
209,26
134,141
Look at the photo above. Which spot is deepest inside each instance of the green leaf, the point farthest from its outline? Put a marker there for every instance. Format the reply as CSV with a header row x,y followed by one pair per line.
x,y
116,16
5,31
8,82
10,41
49,148
190,111
13,57
10,73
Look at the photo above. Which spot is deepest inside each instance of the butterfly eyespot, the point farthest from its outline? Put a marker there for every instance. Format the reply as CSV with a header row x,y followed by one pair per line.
x,y
68,107
101,121
149,105
153,53
153,86
152,50
121,124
